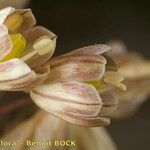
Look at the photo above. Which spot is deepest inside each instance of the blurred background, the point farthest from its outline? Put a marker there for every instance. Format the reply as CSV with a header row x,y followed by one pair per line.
x,y
79,23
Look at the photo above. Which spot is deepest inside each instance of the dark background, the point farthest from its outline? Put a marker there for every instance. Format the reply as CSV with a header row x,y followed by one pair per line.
x,y
79,23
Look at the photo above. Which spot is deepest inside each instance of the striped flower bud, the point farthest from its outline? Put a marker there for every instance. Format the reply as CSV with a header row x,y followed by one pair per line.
x,y
78,88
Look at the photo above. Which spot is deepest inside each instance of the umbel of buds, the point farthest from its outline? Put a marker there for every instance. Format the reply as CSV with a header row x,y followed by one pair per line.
x,y
77,86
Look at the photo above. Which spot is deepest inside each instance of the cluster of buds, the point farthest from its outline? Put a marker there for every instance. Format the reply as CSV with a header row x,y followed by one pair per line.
x,y
76,87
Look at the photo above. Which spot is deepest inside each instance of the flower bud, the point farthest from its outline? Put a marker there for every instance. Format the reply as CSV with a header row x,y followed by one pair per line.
x,y
75,89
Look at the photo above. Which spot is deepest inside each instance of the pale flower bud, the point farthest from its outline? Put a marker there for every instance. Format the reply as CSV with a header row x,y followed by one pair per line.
x,y
75,89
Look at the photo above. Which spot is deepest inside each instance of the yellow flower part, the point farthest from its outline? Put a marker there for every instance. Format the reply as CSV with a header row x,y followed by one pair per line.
x,y
96,84
19,44
14,22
